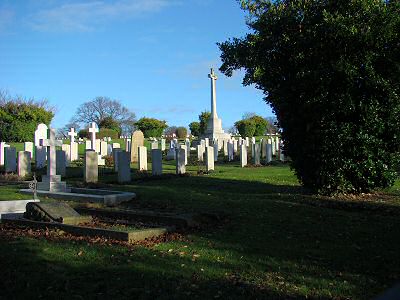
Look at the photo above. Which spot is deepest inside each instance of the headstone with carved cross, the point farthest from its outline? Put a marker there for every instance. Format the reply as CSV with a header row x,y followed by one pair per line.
x,y
51,182
73,146
93,129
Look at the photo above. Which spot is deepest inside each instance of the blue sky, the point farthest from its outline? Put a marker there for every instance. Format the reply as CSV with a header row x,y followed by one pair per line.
x,y
152,55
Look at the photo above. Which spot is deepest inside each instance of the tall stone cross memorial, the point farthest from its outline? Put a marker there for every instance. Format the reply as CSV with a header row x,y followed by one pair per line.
x,y
72,134
214,124
93,129
52,181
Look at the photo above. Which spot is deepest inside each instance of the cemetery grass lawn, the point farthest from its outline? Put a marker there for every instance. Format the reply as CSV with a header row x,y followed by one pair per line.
x,y
11,192
272,242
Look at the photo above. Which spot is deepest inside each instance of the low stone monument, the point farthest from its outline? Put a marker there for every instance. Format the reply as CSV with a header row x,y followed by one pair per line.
x,y
180,161
28,146
243,156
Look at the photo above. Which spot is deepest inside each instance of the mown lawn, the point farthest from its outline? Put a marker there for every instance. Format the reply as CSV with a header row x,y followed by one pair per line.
x,y
274,242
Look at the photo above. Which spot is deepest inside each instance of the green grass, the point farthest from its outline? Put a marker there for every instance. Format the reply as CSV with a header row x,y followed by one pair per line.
x,y
276,243
11,192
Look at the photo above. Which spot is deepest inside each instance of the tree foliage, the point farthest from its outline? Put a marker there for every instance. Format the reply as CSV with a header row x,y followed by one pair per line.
x,y
181,132
203,119
20,117
107,111
330,70
195,128
110,123
151,127
246,128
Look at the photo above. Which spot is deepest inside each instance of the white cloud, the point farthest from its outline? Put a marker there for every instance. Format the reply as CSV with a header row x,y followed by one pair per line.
x,y
85,16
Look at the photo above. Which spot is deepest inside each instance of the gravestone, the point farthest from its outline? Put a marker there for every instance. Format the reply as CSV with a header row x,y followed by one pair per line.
x,y
200,153
73,145
98,143
268,153
156,162
124,166
180,161
273,146
28,146
263,148
210,158
88,145
61,163
235,146
142,158
91,168
115,159
2,152
154,145
58,212
257,153
40,157
243,156
206,142
24,163
230,151
116,146
51,181
215,146
10,159
67,149
187,144
109,149
137,141
93,129
40,133
277,143
162,144
103,148
128,145
186,151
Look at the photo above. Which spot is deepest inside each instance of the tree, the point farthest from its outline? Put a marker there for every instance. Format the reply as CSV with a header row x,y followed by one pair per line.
x,y
203,118
246,128
181,132
195,128
151,127
260,123
19,117
104,109
330,70
170,130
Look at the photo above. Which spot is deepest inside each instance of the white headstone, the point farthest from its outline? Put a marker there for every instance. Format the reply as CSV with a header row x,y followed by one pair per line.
x,y
257,153
2,151
215,146
268,153
186,151
93,129
209,158
180,161
142,158
230,151
103,148
73,155
162,144
40,133
67,149
28,147
243,156
200,153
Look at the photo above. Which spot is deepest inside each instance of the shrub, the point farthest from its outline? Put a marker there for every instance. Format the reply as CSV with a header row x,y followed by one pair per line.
x,y
246,128
151,127
19,120
83,133
203,118
330,70
195,128
110,123
261,125
106,132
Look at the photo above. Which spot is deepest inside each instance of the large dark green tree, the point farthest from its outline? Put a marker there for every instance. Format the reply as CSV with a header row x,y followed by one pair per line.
x,y
19,117
151,127
330,69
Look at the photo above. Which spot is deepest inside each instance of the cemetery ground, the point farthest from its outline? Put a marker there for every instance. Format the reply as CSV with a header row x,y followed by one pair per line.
x,y
270,240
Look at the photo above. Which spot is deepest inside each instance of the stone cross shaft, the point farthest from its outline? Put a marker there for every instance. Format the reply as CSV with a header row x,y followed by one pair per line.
x,y
213,78
93,129
51,143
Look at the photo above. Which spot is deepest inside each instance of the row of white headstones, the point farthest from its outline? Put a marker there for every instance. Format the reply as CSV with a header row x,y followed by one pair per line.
x,y
46,143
